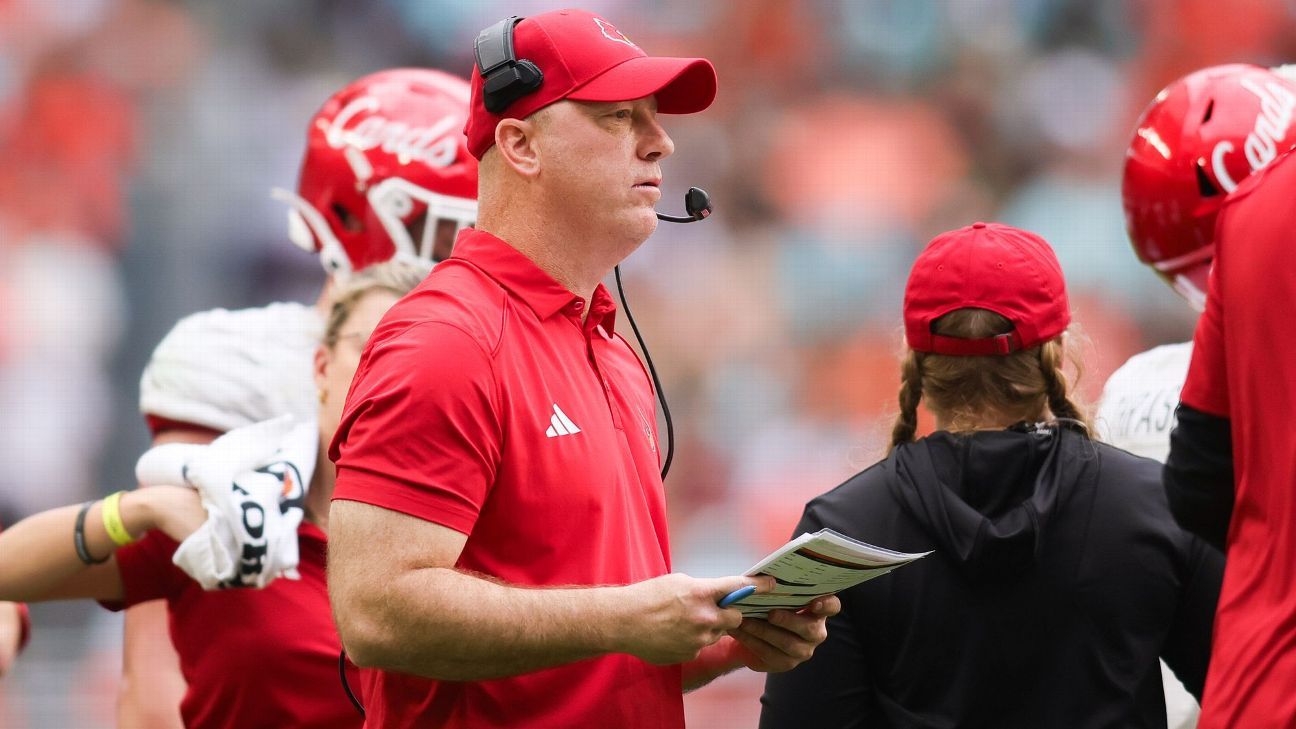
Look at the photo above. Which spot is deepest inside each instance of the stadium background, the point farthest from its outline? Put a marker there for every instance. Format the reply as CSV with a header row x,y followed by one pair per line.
x,y
139,140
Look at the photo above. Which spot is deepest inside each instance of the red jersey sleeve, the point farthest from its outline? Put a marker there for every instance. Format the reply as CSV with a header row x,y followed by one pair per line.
x,y
147,572
421,433
1206,388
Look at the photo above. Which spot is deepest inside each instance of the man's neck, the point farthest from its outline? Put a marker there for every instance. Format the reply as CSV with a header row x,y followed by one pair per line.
x,y
564,254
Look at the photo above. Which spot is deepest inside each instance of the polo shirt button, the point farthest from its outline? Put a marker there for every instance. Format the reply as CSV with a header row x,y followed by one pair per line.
x,y
578,305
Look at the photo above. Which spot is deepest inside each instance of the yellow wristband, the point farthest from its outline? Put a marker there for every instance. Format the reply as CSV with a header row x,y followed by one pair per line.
x,y
112,520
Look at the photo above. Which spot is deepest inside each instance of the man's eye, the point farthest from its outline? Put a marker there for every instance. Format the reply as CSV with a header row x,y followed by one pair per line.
x,y
623,113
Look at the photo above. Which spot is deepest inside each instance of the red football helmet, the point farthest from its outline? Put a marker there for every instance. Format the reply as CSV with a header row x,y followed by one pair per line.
x,y
1199,138
386,162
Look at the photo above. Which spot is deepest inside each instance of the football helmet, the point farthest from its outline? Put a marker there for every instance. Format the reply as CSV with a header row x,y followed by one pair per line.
x,y
1200,137
386,172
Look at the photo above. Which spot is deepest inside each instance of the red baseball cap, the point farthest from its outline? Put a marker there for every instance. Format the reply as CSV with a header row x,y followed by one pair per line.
x,y
1011,272
585,58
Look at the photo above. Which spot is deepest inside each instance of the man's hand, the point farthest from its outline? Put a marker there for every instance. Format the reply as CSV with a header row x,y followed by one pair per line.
x,y
787,639
678,615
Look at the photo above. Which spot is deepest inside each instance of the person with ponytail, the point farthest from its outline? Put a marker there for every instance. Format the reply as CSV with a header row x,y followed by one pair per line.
x,y
1058,576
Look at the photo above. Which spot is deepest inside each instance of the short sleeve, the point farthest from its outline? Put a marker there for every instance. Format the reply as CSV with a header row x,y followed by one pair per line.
x,y
1206,388
147,572
421,433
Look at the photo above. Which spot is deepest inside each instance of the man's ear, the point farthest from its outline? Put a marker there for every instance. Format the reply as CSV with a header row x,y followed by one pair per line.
x,y
516,141
322,360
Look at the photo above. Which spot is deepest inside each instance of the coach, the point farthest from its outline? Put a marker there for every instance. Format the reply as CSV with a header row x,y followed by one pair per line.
x,y
500,435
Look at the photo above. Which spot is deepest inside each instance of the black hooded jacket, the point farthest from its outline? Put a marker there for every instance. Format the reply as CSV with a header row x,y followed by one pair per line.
x,y
1058,579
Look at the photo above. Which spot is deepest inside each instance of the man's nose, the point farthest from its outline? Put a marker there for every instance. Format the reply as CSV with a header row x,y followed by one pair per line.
x,y
655,144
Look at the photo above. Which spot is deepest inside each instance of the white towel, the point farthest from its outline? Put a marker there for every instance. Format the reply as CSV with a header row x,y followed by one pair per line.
x,y
252,481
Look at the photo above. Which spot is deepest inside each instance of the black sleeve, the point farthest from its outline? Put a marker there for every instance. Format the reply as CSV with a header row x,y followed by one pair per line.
x,y
1187,646
833,688
1198,474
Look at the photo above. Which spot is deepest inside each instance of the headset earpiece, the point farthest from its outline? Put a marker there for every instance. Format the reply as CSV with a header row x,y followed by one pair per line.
x,y
505,77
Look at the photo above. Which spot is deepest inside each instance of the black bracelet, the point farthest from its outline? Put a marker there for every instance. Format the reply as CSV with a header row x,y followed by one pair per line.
x,y
79,540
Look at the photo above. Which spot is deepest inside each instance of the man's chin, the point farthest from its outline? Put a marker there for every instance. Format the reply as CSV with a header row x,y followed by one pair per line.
x,y
646,221
634,228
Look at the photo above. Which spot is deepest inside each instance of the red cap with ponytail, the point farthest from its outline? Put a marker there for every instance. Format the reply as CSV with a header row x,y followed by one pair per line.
x,y
1011,272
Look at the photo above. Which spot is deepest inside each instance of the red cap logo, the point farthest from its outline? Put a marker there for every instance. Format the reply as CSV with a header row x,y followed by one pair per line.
x,y
611,33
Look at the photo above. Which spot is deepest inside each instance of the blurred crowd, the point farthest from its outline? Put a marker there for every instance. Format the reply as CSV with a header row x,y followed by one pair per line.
x,y
139,140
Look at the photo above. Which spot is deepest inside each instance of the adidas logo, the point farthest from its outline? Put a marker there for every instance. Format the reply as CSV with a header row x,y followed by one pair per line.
x,y
560,424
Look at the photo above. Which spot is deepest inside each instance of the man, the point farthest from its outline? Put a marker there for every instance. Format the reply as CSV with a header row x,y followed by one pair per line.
x,y
498,455
1228,476
385,175
1194,143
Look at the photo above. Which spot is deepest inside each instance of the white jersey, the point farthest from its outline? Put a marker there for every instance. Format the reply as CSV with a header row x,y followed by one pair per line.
x,y
1137,414
1138,403
224,369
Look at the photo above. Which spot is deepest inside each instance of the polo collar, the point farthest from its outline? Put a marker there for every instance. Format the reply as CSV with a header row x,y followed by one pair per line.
x,y
513,271
524,279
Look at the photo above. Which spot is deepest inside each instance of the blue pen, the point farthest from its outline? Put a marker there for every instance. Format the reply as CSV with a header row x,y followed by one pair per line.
x,y
737,595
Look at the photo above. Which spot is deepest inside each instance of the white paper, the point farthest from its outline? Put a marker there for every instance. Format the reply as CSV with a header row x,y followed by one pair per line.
x,y
814,565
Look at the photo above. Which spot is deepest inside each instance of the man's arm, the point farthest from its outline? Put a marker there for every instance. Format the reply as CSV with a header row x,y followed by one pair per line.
x,y
1198,474
400,605
38,559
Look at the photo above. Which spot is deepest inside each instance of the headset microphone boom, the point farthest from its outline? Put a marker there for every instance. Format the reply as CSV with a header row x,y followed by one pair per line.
x,y
697,203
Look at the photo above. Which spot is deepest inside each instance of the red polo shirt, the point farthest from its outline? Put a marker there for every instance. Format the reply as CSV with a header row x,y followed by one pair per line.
x,y
1244,368
253,659
484,404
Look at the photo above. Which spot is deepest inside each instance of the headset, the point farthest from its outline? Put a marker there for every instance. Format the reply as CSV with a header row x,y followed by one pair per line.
x,y
505,79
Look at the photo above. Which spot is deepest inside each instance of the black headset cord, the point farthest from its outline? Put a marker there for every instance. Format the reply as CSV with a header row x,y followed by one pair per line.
x,y
346,685
661,394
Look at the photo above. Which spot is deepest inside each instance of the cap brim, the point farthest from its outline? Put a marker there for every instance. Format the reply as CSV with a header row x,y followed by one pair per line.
x,y
681,85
